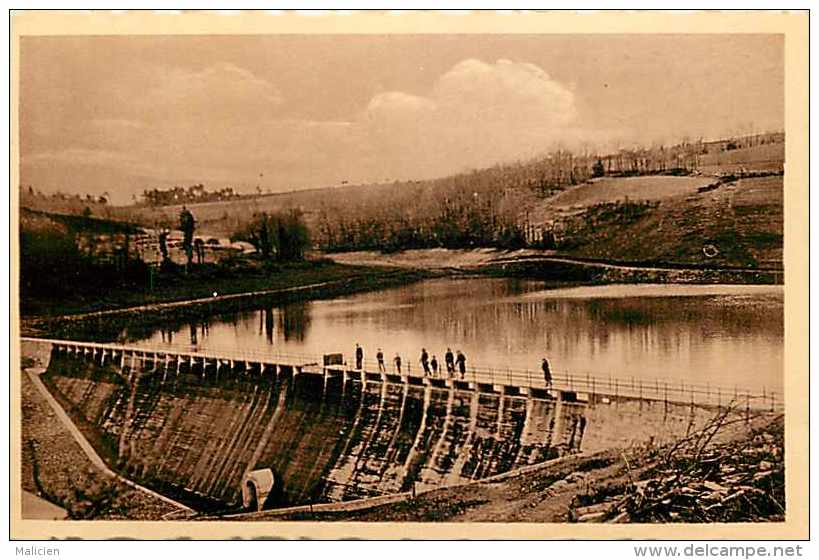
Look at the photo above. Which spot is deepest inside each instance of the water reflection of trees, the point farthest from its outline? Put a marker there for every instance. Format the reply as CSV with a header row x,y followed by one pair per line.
x,y
489,318
294,321
498,321
289,321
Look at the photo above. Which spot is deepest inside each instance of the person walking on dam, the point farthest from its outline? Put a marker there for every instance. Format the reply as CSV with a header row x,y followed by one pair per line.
x,y
359,357
187,224
380,357
425,361
434,364
449,359
397,361
199,245
547,373
461,359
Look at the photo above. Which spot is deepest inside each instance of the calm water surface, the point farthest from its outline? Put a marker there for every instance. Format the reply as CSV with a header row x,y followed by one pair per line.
x,y
722,335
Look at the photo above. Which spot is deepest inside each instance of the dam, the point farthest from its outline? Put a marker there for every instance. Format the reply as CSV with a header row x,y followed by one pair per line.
x,y
192,425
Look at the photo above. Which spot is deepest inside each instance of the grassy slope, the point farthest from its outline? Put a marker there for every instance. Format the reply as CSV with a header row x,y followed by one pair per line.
x,y
768,157
610,189
220,219
744,220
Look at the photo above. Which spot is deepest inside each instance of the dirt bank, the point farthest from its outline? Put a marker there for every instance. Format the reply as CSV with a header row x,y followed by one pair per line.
x,y
54,467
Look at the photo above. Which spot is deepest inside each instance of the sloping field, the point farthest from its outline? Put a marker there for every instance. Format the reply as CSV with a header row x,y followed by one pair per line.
x,y
611,189
767,157
222,218
219,219
741,222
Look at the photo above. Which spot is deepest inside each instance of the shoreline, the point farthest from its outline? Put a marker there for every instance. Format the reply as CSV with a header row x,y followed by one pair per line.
x,y
399,269
108,323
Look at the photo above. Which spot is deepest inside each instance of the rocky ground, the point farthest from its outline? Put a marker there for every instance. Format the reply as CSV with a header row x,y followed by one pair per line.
x,y
740,480
55,468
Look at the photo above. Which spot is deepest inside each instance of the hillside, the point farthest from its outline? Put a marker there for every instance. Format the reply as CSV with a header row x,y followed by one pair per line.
x,y
735,224
765,157
611,189
674,216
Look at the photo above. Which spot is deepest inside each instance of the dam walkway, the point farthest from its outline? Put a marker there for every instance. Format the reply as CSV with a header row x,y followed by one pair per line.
x,y
139,360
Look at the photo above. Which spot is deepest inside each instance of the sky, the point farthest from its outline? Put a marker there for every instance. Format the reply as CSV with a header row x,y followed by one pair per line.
x,y
282,112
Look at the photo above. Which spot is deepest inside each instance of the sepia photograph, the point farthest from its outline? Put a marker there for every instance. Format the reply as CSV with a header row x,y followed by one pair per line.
x,y
396,275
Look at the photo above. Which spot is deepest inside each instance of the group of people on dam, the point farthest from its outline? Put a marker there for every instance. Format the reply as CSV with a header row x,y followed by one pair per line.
x,y
431,367
453,362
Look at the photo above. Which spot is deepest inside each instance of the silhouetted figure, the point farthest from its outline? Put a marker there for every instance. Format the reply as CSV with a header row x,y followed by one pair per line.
x,y
449,358
163,246
199,245
425,361
359,357
397,361
461,359
380,357
187,224
547,374
434,364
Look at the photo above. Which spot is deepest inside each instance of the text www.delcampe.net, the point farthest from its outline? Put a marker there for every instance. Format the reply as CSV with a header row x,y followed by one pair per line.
x,y
723,551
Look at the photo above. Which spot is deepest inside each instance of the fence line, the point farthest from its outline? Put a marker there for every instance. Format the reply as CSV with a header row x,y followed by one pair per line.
x,y
615,386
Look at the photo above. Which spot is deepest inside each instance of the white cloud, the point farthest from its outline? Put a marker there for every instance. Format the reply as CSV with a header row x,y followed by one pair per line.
x,y
225,124
507,92
476,114
221,91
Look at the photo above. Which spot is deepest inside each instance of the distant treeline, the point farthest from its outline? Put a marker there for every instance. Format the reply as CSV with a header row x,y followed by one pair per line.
x,y
186,195
479,209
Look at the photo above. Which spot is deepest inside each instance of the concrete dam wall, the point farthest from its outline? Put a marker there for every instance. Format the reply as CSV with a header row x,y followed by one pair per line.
x,y
193,432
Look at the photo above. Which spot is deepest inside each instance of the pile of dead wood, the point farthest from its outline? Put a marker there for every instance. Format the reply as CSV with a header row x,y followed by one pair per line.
x,y
699,481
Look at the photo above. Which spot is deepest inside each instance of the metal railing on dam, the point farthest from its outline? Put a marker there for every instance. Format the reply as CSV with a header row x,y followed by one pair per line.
x,y
484,379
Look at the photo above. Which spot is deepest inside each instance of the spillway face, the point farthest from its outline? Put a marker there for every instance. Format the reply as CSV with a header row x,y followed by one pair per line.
x,y
194,431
